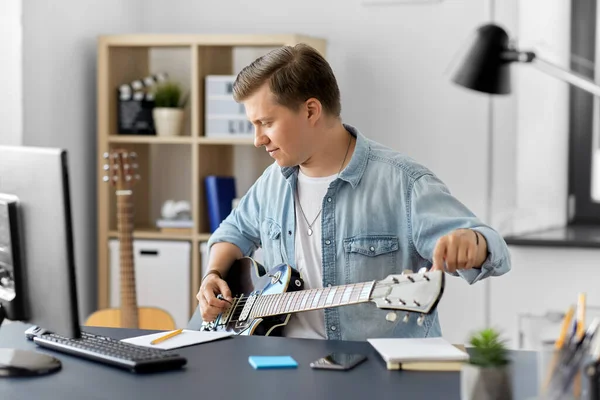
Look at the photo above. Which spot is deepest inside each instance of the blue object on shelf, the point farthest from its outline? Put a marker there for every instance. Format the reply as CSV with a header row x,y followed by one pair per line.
x,y
262,362
220,192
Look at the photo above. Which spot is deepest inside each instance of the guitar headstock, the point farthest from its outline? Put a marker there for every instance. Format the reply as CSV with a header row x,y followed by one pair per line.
x,y
415,292
121,169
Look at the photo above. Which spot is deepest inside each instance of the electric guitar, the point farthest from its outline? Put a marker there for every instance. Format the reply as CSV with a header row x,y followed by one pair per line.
x,y
264,300
122,174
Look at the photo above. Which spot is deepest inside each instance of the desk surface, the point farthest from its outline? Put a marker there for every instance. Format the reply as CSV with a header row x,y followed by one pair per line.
x,y
220,370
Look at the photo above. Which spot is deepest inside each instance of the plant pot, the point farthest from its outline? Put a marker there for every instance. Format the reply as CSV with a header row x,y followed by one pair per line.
x,y
485,383
167,121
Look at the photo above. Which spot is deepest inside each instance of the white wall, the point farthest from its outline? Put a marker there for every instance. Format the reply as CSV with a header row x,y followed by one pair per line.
x,y
59,91
11,101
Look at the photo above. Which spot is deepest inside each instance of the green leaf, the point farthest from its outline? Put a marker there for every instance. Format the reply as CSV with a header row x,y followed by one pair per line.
x,y
168,94
489,350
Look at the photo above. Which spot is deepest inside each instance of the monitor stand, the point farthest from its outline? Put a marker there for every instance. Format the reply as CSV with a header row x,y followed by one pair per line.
x,y
17,362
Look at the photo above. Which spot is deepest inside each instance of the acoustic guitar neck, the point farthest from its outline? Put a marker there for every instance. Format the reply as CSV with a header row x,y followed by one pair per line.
x,y
129,307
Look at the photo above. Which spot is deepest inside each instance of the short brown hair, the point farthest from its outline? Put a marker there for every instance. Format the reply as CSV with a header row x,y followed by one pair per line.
x,y
295,74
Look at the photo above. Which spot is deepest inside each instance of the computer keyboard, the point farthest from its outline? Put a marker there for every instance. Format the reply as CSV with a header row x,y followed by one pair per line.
x,y
113,352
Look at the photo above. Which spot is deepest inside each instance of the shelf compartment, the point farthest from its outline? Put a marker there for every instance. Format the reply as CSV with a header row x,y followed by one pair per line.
x,y
127,64
165,174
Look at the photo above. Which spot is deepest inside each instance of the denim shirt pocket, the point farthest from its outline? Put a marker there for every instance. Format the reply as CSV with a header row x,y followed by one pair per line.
x,y
270,232
370,257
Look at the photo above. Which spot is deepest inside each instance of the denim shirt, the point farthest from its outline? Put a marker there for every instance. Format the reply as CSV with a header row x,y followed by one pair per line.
x,y
383,214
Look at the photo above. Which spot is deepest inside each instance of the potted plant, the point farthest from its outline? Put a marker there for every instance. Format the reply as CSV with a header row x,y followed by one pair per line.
x,y
168,109
486,376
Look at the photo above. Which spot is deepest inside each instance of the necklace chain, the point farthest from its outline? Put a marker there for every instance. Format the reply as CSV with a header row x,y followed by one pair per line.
x,y
310,230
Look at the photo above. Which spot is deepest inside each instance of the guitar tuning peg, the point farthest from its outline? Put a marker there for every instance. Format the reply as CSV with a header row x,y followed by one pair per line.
x,y
391,316
105,178
420,320
406,318
126,166
124,155
106,167
115,178
128,178
105,156
137,177
133,155
422,270
134,166
407,272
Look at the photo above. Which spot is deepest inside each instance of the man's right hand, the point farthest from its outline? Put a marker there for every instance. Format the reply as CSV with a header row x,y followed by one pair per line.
x,y
210,305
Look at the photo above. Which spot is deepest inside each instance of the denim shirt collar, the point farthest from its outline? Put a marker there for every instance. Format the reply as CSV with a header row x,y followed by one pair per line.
x,y
357,165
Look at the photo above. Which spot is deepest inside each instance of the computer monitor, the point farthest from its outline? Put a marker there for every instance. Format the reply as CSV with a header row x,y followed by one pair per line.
x,y
37,263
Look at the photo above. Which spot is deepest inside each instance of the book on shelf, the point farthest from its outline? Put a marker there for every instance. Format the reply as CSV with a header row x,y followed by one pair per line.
x,y
220,194
183,226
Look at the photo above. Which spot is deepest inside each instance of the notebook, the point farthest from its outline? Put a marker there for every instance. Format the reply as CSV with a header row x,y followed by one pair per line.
x,y
185,338
422,354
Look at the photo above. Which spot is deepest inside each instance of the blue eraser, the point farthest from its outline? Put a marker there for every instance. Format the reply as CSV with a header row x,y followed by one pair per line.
x,y
262,362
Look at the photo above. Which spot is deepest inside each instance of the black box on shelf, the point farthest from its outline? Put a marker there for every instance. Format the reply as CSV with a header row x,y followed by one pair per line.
x,y
135,103
134,116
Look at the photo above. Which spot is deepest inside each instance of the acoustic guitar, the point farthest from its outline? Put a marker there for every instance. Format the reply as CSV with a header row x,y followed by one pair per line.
x,y
122,174
265,300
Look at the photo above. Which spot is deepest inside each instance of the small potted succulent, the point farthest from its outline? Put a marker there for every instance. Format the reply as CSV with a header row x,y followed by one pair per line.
x,y
168,109
487,375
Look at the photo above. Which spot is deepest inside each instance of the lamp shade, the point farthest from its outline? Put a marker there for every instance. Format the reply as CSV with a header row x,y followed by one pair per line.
x,y
482,67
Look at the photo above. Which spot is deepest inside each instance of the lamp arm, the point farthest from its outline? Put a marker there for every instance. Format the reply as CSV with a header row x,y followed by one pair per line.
x,y
554,70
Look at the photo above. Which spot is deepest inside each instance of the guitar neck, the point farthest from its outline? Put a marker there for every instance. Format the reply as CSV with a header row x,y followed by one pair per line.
x,y
129,309
313,299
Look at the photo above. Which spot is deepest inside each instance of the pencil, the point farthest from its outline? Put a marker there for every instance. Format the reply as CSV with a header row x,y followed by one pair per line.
x,y
558,345
167,336
580,333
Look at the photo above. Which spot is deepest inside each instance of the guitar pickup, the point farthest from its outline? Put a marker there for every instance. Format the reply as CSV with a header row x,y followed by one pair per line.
x,y
247,308
226,315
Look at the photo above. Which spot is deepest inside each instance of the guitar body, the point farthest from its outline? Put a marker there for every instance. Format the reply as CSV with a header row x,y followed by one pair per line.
x,y
148,318
247,277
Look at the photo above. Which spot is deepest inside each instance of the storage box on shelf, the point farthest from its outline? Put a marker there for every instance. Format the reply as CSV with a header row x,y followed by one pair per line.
x,y
175,167
224,116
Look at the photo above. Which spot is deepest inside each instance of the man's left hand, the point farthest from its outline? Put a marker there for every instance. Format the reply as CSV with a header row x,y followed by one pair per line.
x,y
461,249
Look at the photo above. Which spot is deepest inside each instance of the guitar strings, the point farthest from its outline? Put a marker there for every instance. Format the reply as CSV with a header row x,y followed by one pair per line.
x,y
242,302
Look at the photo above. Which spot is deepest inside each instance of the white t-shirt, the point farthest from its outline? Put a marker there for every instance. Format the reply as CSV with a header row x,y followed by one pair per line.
x,y
309,259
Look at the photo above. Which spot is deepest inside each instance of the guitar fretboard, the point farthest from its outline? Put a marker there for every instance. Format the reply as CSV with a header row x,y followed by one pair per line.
x,y
313,299
129,309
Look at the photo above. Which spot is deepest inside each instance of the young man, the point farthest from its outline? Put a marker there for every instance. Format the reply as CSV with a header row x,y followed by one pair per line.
x,y
338,207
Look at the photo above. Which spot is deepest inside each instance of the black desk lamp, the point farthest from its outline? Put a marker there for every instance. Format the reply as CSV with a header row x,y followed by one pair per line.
x,y
486,65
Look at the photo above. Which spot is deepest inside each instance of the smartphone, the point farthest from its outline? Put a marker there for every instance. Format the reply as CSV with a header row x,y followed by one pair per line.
x,y
338,361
